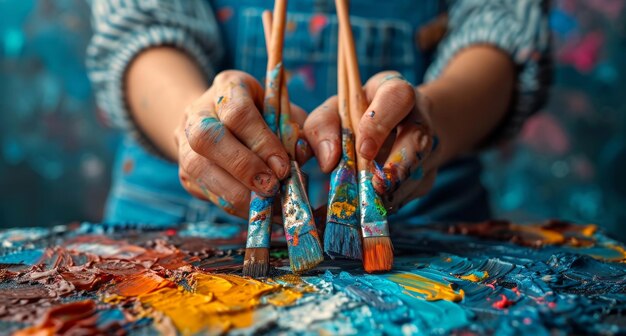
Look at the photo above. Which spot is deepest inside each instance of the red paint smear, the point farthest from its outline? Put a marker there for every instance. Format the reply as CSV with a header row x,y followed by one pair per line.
x,y
224,14
128,166
317,23
83,280
76,318
544,134
503,303
583,53
516,291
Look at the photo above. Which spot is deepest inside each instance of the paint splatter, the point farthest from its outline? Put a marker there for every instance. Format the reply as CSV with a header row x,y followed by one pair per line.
x,y
317,24
137,279
213,128
224,14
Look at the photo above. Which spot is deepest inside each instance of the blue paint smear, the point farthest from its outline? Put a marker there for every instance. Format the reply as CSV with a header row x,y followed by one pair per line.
x,y
26,257
211,230
214,128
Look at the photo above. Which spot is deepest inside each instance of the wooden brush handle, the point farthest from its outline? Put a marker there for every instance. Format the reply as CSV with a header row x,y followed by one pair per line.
x,y
358,104
289,131
343,90
271,108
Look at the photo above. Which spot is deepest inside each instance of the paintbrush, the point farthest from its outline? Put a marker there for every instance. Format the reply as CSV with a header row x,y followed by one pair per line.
x,y
303,243
256,260
377,248
342,236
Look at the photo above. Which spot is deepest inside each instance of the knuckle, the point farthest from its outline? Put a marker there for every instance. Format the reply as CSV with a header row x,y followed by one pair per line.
x,y
194,167
203,134
400,91
235,112
184,159
265,142
228,76
224,76
369,128
240,165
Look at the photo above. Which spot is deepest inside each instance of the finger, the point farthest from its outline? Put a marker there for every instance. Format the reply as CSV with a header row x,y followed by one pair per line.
x,y
391,102
207,181
236,109
298,114
409,191
200,192
323,132
411,148
303,150
208,137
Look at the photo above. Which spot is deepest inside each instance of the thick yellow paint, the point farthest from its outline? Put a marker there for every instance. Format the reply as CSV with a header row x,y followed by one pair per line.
x,y
284,298
215,304
342,209
589,230
432,290
474,278
548,237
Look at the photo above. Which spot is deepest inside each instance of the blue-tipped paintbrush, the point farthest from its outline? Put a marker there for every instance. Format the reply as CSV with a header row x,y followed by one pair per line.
x,y
342,236
305,250
377,248
256,260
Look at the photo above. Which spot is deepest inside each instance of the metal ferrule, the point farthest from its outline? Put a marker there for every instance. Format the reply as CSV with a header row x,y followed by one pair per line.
x,y
372,209
260,222
297,214
343,195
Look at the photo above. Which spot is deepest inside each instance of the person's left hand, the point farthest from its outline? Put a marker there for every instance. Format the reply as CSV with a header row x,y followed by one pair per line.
x,y
395,130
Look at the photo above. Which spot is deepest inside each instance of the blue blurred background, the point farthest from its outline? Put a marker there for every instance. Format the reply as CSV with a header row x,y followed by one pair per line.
x,y
55,155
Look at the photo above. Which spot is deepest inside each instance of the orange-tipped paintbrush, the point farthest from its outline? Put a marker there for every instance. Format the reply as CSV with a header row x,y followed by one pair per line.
x,y
377,247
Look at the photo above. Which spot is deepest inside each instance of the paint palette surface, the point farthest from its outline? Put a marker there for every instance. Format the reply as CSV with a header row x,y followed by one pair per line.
x,y
459,278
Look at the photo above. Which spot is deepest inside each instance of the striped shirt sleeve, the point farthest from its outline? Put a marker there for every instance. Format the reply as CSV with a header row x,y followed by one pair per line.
x,y
517,27
124,28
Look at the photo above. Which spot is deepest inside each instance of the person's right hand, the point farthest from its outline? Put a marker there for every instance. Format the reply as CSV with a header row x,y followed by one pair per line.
x,y
225,148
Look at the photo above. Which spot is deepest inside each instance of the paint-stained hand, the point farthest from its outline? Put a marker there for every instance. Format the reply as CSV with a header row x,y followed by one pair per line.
x,y
395,131
225,148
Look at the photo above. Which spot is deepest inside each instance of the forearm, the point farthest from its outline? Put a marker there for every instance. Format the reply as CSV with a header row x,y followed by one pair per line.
x,y
469,100
159,84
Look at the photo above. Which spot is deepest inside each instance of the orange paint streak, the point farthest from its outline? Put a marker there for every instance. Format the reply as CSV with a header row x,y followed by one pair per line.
x,y
140,283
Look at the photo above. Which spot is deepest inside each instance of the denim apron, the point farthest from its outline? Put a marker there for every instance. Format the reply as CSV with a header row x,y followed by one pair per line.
x,y
146,188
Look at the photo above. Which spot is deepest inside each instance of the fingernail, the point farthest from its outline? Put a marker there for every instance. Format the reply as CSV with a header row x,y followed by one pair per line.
x,y
326,149
266,183
368,149
278,165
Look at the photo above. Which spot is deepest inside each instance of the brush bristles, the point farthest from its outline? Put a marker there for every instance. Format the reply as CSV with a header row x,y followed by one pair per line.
x,y
342,241
307,254
377,254
256,262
